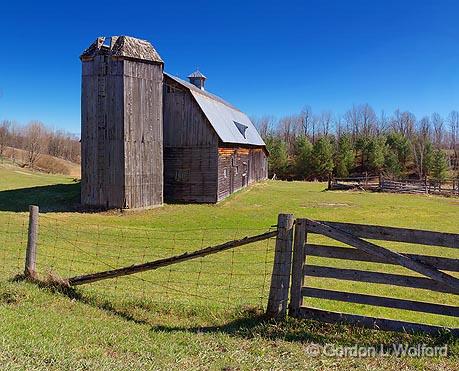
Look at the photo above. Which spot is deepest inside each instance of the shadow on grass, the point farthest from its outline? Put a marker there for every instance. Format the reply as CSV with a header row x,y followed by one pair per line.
x,y
57,285
251,323
50,198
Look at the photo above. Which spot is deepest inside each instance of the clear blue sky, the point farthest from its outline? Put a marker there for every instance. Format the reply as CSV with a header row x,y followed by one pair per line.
x,y
266,57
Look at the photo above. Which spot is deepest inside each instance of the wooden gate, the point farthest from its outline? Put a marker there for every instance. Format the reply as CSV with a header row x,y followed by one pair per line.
x,y
431,267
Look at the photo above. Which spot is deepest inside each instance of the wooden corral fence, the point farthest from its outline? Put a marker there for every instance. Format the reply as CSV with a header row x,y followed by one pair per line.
x,y
382,184
431,267
363,182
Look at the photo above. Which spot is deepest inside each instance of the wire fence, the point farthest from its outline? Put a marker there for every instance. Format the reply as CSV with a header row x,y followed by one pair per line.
x,y
66,248
13,241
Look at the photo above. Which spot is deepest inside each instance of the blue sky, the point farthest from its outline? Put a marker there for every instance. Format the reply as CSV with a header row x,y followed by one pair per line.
x,y
266,57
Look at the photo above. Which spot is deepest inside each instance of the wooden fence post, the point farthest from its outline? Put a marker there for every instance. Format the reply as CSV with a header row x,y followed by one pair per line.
x,y
296,297
280,279
31,253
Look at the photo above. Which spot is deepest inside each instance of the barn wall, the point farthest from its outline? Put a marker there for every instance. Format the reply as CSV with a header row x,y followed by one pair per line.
x,y
190,149
143,131
190,174
238,167
185,125
102,142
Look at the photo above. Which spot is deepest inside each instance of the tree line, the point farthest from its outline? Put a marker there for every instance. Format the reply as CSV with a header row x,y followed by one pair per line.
x,y
307,146
37,139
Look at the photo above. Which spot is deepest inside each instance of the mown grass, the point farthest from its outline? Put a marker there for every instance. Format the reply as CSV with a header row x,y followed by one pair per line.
x,y
202,314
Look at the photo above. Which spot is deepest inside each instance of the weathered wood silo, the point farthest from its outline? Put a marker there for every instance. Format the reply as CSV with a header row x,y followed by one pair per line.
x,y
121,124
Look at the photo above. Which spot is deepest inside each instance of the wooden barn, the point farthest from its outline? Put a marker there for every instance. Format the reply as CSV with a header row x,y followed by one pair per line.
x,y
211,149
145,133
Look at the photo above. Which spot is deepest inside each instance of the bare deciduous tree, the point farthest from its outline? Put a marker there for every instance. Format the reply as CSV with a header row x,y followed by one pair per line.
x,y
419,141
368,120
437,123
35,138
306,119
264,125
4,135
325,121
453,120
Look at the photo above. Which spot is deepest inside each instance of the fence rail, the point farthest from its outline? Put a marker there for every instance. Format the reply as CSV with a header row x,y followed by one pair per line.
x,y
137,268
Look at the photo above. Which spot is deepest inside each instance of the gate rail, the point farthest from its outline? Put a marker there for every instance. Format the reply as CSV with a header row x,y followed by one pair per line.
x,y
361,250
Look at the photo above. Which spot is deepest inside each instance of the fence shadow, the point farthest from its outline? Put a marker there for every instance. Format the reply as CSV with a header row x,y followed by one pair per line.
x,y
252,322
250,326
50,198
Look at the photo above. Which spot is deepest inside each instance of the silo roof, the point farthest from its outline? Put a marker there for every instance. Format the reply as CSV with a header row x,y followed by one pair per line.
x,y
123,47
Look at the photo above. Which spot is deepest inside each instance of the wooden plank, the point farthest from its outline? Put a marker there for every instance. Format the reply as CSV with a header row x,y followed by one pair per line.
x,y
280,279
372,322
137,268
346,253
376,277
296,299
397,234
383,253
379,301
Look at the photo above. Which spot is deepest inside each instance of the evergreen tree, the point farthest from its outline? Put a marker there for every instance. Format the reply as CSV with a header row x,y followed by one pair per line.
x,y
322,157
278,157
376,153
392,164
303,151
361,145
400,144
439,166
345,156
427,158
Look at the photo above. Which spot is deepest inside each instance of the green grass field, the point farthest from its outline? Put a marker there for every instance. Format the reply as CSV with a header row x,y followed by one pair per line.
x,y
201,314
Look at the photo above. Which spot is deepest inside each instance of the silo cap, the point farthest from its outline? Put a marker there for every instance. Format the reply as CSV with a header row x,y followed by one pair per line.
x,y
124,47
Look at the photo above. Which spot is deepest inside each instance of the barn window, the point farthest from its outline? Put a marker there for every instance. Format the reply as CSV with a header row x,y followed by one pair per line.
x,y
225,173
241,127
236,170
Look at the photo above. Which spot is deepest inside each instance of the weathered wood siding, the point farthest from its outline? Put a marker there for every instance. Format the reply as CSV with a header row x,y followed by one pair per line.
x,y
238,167
190,149
121,133
102,137
190,174
143,134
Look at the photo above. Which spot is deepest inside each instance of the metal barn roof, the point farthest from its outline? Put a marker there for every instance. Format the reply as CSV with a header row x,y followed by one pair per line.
x,y
224,118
